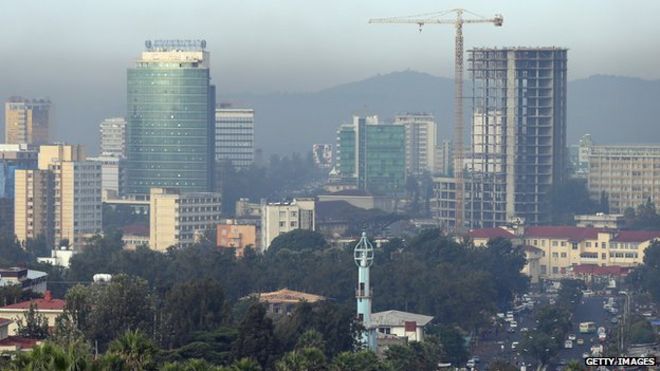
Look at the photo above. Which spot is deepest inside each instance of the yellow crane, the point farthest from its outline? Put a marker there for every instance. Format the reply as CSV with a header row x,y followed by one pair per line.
x,y
457,21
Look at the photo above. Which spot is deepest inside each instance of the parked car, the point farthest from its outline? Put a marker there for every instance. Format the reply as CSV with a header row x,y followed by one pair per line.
x,y
514,345
568,344
470,363
572,337
580,341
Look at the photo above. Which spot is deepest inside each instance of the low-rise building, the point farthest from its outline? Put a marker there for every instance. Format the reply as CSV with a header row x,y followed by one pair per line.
x,y
567,246
600,220
49,307
284,301
231,234
401,324
27,279
283,217
11,344
134,236
180,219
361,199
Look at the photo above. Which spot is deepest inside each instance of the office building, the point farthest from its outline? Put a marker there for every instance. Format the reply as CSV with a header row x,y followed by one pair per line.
x,y
179,218
27,121
372,155
53,153
421,142
322,155
113,177
234,136
113,137
236,235
518,150
283,217
626,175
444,163
170,119
12,157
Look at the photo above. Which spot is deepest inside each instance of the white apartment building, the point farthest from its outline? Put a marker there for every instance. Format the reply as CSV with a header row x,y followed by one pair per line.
x,y
113,137
234,136
628,175
283,217
421,142
180,219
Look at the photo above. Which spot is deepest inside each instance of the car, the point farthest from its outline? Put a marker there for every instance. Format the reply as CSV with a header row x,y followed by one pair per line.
x,y
500,315
614,320
524,329
470,363
511,330
476,359
568,344
514,345
580,341
572,337
647,314
586,355
513,324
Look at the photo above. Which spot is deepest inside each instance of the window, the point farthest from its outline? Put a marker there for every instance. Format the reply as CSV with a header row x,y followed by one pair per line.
x,y
603,245
563,255
587,244
575,246
554,243
563,243
282,224
555,255
555,270
596,244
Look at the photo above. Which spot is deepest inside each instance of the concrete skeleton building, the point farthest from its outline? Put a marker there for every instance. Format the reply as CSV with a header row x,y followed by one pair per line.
x,y
371,155
113,137
518,148
627,175
283,217
27,121
179,218
421,142
234,136
171,118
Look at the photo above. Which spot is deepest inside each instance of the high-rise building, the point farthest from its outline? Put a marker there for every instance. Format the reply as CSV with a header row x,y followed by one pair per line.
x,y
372,155
27,121
170,120
181,218
444,163
625,176
61,200
34,206
283,217
421,142
518,134
113,137
113,169
322,155
12,157
234,136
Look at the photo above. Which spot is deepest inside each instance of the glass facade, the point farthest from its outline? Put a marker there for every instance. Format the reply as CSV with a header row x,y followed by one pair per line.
x,y
170,141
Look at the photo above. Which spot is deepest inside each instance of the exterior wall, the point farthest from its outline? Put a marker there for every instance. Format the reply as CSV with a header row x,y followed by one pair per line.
x,y
170,137
113,137
234,136
19,315
59,152
236,236
285,217
27,121
178,219
628,175
33,204
112,175
444,158
421,142
12,157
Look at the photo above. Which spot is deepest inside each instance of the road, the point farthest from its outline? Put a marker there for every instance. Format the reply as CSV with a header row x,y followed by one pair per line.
x,y
497,344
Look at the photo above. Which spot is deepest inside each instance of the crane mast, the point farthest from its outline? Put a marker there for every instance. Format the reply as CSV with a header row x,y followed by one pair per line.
x,y
436,18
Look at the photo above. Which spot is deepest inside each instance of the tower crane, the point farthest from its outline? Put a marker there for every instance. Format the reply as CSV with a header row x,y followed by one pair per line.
x,y
458,21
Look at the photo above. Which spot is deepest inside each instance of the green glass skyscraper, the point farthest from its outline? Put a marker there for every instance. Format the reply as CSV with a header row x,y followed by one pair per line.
x,y
372,155
171,118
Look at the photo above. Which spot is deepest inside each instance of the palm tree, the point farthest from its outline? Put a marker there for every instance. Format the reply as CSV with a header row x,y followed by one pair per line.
x,y
574,366
135,351
51,357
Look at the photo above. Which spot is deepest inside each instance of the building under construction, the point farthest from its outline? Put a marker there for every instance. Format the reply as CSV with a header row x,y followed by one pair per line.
x,y
518,148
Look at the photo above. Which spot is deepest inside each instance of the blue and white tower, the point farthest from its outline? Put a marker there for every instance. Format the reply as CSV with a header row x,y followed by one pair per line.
x,y
364,258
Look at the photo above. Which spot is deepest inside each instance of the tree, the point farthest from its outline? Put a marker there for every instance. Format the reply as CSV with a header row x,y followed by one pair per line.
x,y
453,344
641,331
51,357
256,339
575,366
568,199
298,240
364,360
415,355
135,351
193,306
35,326
305,359
541,346
311,339
501,365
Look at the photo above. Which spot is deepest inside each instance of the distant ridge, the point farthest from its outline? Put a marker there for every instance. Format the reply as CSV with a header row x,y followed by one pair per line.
x,y
613,109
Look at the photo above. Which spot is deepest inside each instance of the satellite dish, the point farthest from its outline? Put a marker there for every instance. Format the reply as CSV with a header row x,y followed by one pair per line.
x,y
147,44
203,44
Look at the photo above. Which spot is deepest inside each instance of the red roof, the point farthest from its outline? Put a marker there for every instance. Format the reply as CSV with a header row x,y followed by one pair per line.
x,y
135,230
47,303
490,233
561,232
596,270
19,342
636,236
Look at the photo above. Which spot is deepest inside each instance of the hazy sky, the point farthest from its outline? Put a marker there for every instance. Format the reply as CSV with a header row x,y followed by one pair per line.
x,y
78,51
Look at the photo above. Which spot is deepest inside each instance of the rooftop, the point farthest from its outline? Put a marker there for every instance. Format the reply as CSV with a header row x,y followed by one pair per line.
x,y
636,236
46,303
398,318
288,296
596,270
490,233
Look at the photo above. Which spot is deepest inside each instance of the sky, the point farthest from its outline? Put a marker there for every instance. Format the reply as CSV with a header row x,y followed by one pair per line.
x,y
76,51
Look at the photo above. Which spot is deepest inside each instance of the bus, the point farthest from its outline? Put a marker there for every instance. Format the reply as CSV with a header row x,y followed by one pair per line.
x,y
587,327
